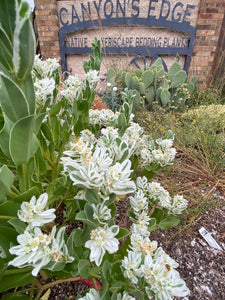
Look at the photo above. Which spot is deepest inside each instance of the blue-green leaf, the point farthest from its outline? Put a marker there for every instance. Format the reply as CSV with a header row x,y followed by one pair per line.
x,y
122,233
4,136
9,208
8,17
18,225
26,196
16,278
24,49
7,236
6,51
12,99
168,223
6,181
84,268
23,143
28,89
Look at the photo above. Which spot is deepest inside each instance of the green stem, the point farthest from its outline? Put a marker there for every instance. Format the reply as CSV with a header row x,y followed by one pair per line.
x,y
26,179
43,275
37,283
15,190
95,284
12,195
16,271
6,217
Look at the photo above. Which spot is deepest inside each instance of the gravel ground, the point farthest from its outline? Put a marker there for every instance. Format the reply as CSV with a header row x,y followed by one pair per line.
x,y
201,266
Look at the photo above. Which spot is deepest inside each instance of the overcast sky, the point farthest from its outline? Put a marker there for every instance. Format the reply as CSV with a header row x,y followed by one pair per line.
x,y
31,2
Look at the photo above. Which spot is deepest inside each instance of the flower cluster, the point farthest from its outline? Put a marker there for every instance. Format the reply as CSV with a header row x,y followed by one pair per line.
x,y
94,295
45,73
153,193
73,87
146,260
102,240
44,89
34,212
37,249
44,68
159,152
104,117
94,163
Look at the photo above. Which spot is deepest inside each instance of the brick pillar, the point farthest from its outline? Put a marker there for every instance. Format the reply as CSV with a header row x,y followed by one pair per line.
x,y
218,69
47,24
209,26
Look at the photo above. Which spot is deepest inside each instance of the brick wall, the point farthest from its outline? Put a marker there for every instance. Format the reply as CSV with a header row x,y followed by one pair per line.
x,y
209,26
218,69
206,49
47,24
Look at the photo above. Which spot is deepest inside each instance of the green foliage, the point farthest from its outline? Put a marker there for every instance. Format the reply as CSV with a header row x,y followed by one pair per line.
x,y
213,114
169,90
94,62
38,178
205,96
199,133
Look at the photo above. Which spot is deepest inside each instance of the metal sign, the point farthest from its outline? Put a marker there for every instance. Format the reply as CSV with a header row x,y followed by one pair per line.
x,y
164,14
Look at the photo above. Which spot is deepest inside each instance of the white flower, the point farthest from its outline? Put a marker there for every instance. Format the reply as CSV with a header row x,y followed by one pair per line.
x,y
51,65
163,280
140,229
164,259
92,77
31,251
73,88
102,240
109,84
164,143
94,116
101,212
114,88
139,202
157,193
178,204
107,117
118,179
99,172
108,135
142,244
131,265
164,158
142,183
146,156
59,250
91,295
87,176
37,250
44,68
124,296
34,212
44,88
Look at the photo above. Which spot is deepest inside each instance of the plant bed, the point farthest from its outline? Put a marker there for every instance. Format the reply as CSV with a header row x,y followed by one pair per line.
x,y
79,196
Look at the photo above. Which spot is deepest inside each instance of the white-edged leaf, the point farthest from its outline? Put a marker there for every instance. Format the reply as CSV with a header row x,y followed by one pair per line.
x,y
24,48
23,143
13,101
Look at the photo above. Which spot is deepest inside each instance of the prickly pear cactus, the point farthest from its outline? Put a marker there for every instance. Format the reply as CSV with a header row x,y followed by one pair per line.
x,y
168,89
